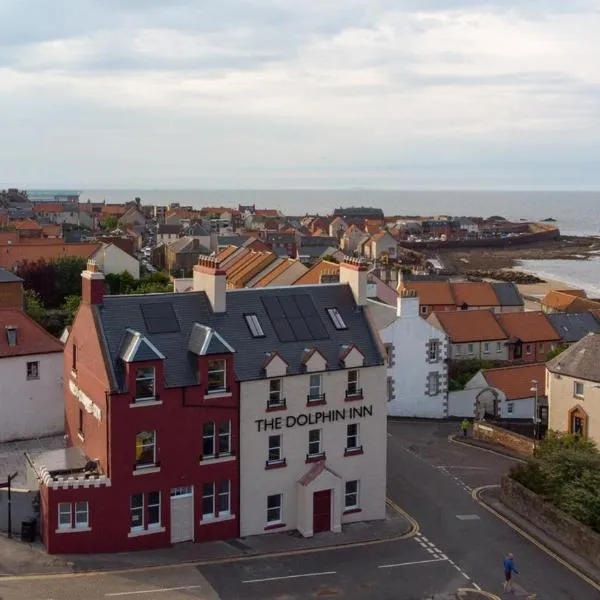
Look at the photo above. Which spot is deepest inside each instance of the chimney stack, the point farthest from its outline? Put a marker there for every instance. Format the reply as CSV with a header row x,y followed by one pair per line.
x,y
353,271
408,304
92,284
211,279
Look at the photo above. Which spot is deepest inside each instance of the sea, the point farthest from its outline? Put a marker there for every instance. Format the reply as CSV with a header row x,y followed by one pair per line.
x,y
575,212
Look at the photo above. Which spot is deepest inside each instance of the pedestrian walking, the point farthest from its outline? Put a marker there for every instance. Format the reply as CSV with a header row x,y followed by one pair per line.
x,y
509,569
465,427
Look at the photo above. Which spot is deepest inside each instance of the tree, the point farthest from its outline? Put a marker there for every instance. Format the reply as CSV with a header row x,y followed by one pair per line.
x,y
40,276
121,283
111,222
556,351
70,307
34,306
68,276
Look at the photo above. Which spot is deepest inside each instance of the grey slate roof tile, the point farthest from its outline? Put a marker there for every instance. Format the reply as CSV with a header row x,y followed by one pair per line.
x,y
118,313
8,276
581,360
573,326
508,293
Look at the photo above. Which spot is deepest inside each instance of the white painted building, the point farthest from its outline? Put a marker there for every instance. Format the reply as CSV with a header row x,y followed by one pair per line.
x,y
417,373
313,427
112,260
31,372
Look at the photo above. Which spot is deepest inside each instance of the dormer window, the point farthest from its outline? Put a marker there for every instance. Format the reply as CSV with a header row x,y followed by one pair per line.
x,y
11,335
254,326
216,376
145,384
336,318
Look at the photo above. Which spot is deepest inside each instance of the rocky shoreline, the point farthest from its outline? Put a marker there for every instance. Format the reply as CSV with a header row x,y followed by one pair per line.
x,y
512,276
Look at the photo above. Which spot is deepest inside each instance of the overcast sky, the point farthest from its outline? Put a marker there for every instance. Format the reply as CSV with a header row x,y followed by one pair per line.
x,y
300,93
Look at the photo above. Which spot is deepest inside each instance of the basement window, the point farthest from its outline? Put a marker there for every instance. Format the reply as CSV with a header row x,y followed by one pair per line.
x,y
336,318
254,326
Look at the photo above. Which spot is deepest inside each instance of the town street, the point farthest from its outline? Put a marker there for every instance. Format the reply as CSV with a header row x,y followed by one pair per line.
x,y
458,544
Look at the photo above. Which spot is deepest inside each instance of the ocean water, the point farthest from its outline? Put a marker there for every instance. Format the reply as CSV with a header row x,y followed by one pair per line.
x,y
576,213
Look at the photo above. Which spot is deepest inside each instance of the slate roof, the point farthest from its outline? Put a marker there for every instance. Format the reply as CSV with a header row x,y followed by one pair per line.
x,y
508,294
168,229
581,360
316,251
137,348
573,326
8,277
119,313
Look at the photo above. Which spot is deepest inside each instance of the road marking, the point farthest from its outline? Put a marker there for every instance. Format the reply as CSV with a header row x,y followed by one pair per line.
x,y
453,440
429,550
462,467
468,517
156,590
289,577
476,586
529,537
416,562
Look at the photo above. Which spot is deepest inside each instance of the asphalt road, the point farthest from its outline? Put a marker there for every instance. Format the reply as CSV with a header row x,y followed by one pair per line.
x,y
459,544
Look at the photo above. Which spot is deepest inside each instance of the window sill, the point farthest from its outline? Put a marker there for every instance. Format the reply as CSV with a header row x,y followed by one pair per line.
x,y
146,470
319,402
143,532
81,437
311,458
139,403
213,460
354,397
353,451
275,526
276,407
73,530
219,394
212,520
352,511
279,464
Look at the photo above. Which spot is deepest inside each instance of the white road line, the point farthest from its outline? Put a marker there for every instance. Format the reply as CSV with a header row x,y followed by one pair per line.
x,y
476,586
155,591
416,562
289,577
429,550
464,575
462,467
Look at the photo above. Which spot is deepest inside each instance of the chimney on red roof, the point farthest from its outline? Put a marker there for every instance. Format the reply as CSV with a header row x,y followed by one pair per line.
x,y
92,284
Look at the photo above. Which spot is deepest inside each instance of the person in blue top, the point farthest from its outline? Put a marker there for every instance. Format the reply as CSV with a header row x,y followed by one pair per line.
x,y
509,569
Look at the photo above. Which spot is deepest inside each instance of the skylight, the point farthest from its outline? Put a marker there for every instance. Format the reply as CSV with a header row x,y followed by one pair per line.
x,y
254,325
336,318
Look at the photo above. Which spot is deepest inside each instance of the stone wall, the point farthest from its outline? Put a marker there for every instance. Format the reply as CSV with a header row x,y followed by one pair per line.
x,y
509,439
25,505
575,536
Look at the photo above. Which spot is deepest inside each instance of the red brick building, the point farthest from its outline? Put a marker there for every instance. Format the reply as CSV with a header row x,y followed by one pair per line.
x,y
152,434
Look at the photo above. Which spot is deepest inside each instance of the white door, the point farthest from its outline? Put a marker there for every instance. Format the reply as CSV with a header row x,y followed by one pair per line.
x,y
182,514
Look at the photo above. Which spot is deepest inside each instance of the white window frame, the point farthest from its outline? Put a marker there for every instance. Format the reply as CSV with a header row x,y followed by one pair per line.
x,y
65,509
275,447
141,508
311,387
277,516
355,494
486,347
355,383
510,407
154,525
82,507
224,433
423,309
182,492
353,436
458,348
223,370
275,395
433,383
208,515
224,492
313,442
336,318
33,370
143,378
576,384
209,436
471,349
254,325
145,465
433,350
499,347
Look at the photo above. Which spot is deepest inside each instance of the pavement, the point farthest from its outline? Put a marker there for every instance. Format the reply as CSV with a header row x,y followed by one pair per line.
x,y
455,552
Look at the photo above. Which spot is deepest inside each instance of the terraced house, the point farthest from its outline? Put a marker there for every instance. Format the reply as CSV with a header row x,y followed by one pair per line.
x,y
209,414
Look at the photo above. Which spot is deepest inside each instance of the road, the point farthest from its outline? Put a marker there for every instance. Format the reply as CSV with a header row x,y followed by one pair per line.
x,y
459,544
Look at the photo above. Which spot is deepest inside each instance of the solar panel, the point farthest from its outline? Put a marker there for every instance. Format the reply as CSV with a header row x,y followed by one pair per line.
x,y
300,329
273,308
283,330
289,307
160,318
316,327
306,306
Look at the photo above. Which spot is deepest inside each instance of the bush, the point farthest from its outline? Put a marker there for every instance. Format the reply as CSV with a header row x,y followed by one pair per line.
x,y
565,470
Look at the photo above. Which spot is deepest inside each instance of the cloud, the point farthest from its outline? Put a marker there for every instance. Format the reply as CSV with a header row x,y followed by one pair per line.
x,y
120,91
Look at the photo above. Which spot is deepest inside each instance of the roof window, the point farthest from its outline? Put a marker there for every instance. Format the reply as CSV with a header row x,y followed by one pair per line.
x,y
11,335
336,318
254,325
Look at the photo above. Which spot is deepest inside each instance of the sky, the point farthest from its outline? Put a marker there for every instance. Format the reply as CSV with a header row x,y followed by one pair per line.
x,y
401,94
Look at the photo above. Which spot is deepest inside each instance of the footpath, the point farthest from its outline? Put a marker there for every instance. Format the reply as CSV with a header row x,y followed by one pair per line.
x,y
20,558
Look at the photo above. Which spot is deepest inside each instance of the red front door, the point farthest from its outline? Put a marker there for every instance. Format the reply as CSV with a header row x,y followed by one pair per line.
x,y
322,511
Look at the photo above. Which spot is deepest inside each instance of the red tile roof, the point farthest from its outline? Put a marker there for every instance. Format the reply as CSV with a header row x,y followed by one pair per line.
x,y
31,337
48,207
474,294
17,253
527,326
515,381
431,293
313,275
27,225
470,326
